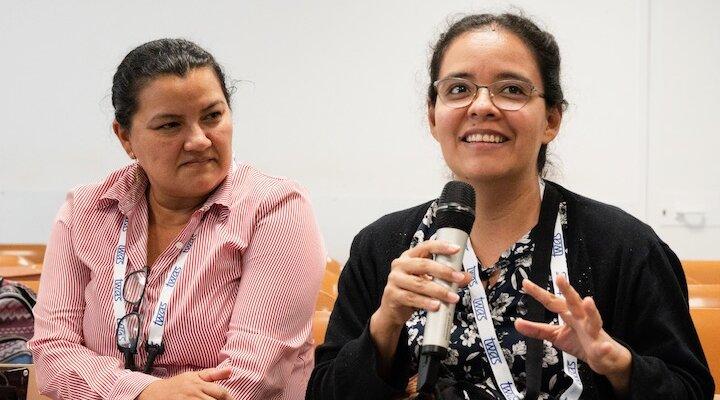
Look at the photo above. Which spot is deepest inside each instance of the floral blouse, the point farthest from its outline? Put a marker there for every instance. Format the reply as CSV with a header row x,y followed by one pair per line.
x,y
466,359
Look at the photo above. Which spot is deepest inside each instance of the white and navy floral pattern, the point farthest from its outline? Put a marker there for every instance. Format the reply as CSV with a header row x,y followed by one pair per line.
x,y
466,359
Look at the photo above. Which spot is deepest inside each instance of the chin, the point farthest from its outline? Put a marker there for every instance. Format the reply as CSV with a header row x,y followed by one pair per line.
x,y
203,185
480,172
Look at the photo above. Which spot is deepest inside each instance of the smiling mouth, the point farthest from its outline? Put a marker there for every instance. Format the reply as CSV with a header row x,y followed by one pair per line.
x,y
484,138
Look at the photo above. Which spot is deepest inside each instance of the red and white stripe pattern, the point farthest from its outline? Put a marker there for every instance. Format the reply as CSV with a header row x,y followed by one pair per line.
x,y
245,298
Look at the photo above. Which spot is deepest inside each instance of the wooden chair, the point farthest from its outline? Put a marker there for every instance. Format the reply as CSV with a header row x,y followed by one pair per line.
x,y
703,278
325,301
25,254
22,263
323,309
704,296
707,324
702,272
332,266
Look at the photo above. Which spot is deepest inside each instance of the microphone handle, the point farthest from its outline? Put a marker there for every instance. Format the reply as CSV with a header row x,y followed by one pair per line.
x,y
439,323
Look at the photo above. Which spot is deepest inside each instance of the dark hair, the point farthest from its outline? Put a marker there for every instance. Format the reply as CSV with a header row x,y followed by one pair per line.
x,y
541,43
153,59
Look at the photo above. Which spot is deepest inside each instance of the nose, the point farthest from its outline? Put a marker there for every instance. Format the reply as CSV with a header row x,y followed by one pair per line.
x,y
197,139
482,106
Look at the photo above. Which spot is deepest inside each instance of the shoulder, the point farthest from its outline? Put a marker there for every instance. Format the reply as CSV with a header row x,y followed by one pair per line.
x,y
604,221
88,198
392,232
615,239
405,221
250,186
374,248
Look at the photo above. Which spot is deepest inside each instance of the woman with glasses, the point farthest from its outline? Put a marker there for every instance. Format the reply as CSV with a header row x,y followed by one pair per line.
x,y
182,275
560,296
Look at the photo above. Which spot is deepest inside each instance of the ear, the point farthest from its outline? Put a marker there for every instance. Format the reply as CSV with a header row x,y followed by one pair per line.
x,y
123,136
431,119
553,117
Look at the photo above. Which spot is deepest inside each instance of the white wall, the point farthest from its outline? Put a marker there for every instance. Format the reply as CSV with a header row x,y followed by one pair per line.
x,y
684,138
332,96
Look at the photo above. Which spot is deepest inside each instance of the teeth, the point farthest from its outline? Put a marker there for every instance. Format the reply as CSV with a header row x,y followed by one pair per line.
x,y
486,138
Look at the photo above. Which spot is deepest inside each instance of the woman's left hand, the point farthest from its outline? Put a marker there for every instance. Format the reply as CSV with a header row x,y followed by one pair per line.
x,y
582,335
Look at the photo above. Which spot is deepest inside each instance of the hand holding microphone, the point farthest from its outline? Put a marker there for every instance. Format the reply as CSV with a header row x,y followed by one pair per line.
x,y
410,287
417,281
454,218
411,284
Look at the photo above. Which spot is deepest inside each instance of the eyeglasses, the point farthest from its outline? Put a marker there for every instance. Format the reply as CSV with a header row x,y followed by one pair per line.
x,y
507,95
128,328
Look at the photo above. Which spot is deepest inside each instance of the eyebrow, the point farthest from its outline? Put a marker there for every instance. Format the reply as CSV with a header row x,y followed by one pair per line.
x,y
501,76
213,104
164,116
176,116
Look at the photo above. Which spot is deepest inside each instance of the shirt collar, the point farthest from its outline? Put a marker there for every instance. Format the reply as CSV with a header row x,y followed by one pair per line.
x,y
127,191
130,189
222,195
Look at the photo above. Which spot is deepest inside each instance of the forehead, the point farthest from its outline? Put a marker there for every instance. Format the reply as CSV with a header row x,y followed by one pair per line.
x,y
198,86
488,53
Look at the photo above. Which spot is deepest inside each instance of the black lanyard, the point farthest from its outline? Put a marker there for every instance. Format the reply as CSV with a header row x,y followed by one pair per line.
x,y
542,236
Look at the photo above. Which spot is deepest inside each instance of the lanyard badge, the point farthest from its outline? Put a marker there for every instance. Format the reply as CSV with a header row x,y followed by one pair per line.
x,y
131,289
486,329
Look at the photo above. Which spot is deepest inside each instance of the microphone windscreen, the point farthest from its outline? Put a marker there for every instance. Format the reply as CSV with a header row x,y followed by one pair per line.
x,y
456,207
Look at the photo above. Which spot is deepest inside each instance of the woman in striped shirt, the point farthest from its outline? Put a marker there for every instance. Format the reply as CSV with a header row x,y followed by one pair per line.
x,y
182,275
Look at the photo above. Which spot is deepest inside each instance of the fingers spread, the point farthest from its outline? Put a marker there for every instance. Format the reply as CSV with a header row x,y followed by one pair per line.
x,y
548,300
537,330
572,298
594,319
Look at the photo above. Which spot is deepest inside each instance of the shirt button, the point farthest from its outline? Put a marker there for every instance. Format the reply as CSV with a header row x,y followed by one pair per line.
x,y
179,245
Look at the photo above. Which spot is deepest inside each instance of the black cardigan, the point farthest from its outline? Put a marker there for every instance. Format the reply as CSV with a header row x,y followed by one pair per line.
x,y
637,283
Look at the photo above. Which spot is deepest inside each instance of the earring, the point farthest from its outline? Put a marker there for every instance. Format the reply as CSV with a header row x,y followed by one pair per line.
x,y
132,155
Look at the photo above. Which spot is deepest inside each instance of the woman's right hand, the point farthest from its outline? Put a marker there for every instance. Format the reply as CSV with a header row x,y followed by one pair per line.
x,y
190,385
410,287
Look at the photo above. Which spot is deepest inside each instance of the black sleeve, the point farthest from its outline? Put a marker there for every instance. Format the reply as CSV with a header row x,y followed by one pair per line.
x,y
655,324
345,365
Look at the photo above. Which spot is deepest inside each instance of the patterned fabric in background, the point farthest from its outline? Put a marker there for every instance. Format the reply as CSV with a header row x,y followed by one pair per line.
x,y
466,360
16,322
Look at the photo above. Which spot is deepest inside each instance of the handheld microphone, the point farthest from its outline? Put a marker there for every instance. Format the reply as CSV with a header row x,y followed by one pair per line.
x,y
454,218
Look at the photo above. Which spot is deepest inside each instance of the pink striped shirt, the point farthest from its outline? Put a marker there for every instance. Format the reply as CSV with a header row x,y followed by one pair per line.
x,y
245,298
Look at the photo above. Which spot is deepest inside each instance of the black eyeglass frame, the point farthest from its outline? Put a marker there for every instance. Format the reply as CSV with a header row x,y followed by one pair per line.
x,y
130,350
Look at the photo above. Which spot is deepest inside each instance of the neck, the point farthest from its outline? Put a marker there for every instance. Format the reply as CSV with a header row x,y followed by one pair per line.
x,y
504,211
169,211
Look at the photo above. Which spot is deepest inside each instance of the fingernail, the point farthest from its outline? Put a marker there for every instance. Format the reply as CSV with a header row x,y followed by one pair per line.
x,y
453,247
458,276
453,297
434,304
